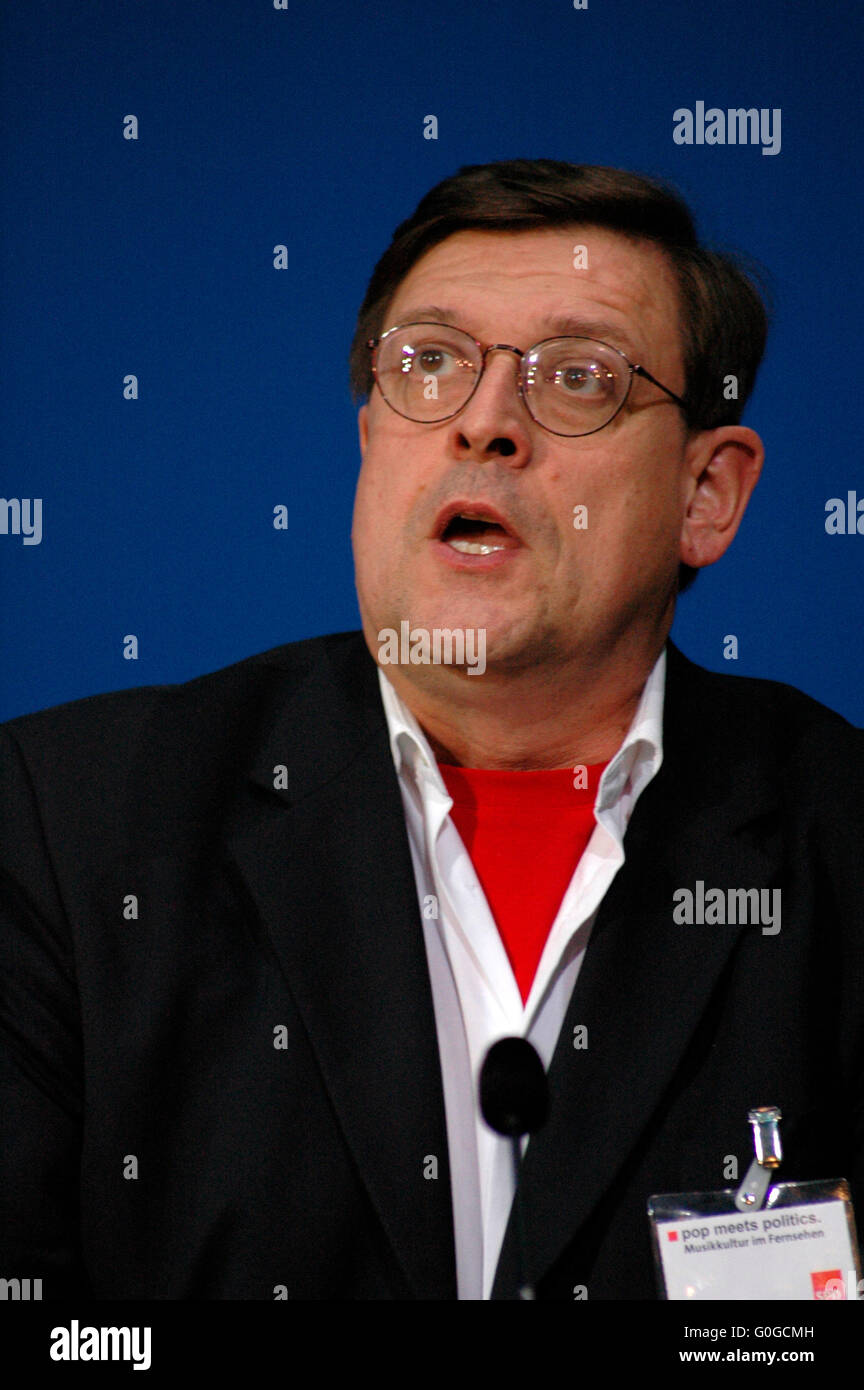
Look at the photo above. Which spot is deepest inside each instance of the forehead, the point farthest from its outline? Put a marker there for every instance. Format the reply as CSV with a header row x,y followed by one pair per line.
x,y
517,283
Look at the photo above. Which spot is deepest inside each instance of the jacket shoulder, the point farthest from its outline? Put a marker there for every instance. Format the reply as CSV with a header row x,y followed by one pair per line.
x,y
806,744
194,734
115,712
761,696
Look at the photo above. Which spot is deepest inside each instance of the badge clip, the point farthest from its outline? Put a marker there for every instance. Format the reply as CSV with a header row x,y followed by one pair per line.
x,y
765,1122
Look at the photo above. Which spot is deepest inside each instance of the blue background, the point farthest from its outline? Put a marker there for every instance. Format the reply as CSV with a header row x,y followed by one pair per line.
x,y
305,127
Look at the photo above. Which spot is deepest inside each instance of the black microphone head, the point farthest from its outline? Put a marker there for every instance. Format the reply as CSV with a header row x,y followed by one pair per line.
x,y
514,1092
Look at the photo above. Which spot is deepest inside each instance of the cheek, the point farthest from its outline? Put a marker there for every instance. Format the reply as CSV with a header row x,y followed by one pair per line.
x,y
392,486
376,495
633,514
380,509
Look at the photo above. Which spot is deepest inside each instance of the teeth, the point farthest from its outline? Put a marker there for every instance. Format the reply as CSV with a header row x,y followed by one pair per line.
x,y
474,547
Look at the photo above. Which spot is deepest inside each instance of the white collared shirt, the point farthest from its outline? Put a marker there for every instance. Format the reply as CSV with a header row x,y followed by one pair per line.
x,y
475,994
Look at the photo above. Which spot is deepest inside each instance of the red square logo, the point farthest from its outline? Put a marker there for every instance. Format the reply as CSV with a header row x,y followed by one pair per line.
x,y
828,1284
673,1235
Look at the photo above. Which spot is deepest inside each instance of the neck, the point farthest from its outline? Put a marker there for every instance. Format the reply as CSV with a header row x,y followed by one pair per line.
x,y
532,719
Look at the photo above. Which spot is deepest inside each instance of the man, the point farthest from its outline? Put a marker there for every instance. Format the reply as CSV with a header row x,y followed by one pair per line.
x,y
259,930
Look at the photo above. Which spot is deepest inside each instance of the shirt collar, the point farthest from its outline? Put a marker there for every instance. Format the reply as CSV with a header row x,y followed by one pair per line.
x,y
637,761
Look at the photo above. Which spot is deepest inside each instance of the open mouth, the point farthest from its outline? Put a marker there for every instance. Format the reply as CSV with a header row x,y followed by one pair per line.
x,y
475,532
474,536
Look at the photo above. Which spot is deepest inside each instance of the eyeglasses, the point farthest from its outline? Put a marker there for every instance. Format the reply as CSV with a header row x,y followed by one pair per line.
x,y
428,372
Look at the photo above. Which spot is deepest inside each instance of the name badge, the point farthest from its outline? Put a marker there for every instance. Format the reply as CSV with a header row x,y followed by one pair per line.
x,y
800,1245
764,1240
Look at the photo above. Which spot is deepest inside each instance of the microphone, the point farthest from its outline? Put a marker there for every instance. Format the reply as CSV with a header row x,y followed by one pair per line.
x,y
514,1100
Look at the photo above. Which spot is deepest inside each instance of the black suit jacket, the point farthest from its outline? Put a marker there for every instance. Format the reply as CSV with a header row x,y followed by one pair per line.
x,y
193,874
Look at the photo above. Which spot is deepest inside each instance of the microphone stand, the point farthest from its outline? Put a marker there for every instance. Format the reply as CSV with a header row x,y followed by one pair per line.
x,y
526,1290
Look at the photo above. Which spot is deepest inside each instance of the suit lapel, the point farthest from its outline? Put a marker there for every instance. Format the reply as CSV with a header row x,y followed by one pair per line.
x,y
646,980
328,864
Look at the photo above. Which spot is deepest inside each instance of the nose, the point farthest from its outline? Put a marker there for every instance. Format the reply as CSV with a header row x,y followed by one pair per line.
x,y
495,422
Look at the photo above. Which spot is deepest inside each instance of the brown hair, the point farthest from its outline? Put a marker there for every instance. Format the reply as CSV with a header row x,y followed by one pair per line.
x,y
724,318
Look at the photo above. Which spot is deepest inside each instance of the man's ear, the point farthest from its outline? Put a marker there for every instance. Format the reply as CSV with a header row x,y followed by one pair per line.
x,y
363,427
722,469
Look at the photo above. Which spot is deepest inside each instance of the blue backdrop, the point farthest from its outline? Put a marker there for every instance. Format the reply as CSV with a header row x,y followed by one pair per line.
x,y
303,126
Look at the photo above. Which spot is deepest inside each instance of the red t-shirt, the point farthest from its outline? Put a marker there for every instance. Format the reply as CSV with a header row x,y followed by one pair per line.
x,y
525,833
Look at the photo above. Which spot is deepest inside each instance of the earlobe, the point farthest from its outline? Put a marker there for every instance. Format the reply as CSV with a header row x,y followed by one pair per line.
x,y
363,426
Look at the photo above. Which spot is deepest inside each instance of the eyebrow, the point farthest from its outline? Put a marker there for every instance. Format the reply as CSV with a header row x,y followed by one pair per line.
x,y
565,326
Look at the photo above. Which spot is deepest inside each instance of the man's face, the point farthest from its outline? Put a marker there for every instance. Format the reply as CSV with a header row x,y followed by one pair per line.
x,y
554,593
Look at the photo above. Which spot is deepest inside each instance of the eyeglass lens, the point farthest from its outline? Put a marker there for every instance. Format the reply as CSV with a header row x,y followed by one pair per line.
x,y
427,372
